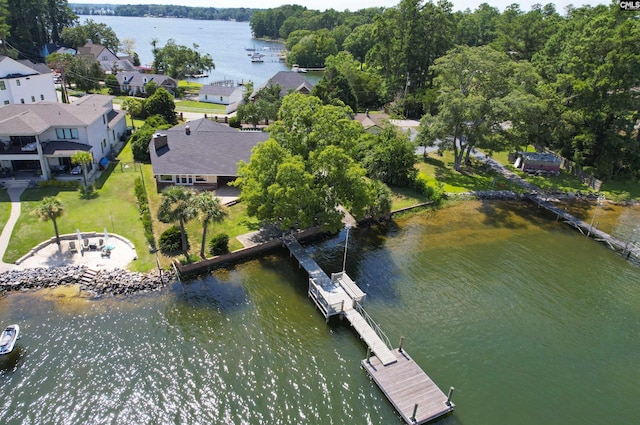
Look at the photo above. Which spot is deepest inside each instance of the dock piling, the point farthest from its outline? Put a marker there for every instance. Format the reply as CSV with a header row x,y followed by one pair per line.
x,y
401,342
449,396
415,411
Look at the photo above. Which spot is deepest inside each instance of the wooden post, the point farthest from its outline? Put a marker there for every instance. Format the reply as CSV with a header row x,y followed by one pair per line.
x,y
415,411
401,342
449,396
368,354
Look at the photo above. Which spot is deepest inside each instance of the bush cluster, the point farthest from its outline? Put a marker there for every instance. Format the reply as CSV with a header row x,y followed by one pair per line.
x,y
219,244
170,242
143,209
71,184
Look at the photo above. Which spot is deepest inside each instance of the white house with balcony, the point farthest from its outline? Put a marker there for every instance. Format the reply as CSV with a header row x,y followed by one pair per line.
x,y
41,138
25,82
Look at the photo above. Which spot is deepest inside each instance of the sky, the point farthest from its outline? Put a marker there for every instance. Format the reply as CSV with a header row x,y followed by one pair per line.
x,y
341,5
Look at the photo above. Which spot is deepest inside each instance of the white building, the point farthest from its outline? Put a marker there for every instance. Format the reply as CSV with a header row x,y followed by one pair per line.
x,y
222,95
41,138
24,82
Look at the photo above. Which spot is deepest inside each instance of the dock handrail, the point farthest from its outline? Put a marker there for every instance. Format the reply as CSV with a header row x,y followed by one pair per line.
x,y
360,309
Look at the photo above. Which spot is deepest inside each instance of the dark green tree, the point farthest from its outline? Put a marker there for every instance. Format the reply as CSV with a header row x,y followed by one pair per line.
x,y
161,103
177,61
97,33
334,86
85,72
111,83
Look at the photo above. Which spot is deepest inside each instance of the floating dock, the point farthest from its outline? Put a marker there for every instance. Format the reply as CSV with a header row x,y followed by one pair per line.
x,y
413,394
409,389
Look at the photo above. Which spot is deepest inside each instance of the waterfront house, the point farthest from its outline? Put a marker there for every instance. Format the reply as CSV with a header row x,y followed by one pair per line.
x,y
109,61
289,82
200,153
41,138
134,83
25,82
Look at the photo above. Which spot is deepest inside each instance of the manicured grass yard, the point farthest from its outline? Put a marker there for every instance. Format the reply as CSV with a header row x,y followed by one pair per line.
x,y
5,207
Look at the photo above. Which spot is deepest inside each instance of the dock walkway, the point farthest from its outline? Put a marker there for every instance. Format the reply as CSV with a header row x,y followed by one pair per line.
x,y
413,394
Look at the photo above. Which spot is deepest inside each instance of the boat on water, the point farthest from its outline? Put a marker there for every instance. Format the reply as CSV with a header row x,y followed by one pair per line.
x,y
257,57
296,68
8,338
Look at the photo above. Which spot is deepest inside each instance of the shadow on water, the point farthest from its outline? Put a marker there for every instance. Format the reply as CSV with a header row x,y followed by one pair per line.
x,y
211,292
9,362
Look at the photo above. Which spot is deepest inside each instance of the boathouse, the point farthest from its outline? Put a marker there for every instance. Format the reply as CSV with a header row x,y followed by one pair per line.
x,y
539,163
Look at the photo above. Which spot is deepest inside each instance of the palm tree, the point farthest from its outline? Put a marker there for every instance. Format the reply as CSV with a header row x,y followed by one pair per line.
x,y
209,210
177,205
51,208
83,158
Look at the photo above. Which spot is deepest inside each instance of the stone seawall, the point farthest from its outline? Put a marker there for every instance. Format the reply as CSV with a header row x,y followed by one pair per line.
x,y
97,282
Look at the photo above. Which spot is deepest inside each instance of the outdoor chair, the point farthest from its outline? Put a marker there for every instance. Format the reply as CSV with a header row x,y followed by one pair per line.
x,y
85,242
100,243
72,247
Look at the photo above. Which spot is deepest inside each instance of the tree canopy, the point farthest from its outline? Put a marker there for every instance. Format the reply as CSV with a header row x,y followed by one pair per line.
x,y
177,60
305,171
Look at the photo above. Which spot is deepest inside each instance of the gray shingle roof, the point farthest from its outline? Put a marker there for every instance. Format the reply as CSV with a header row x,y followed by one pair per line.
x,y
218,90
288,81
210,149
33,119
136,79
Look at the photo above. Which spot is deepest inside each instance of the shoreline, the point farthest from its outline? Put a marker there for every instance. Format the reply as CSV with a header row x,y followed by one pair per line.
x,y
95,282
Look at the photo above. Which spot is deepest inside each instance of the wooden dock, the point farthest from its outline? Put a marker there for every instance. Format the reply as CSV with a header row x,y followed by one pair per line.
x,y
627,250
413,394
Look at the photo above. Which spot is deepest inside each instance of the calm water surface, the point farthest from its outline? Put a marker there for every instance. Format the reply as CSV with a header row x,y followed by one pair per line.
x,y
225,41
532,323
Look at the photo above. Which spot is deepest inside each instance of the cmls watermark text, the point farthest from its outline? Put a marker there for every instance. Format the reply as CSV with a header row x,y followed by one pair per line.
x,y
630,5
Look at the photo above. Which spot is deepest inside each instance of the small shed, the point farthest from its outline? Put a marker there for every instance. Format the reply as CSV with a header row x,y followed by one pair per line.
x,y
539,163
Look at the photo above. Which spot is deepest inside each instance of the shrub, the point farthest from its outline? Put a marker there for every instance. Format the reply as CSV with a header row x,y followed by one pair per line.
x,y
219,244
143,210
71,184
234,122
171,242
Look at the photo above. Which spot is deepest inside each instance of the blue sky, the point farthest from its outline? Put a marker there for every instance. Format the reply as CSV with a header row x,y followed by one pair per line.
x,y
342,5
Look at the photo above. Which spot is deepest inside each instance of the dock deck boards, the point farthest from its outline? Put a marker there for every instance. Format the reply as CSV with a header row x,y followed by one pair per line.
x,y
405,384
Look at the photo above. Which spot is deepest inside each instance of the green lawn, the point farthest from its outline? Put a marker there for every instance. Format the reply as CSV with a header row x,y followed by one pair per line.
x,y
439,169
5,207
204,107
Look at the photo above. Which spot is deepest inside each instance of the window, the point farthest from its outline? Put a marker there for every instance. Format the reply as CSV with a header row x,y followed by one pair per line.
x,y
3,86
33,99
21,100
105,58
104,119
67,133
166,178
41,97
201,179
221,99
18,83
6,102
206,97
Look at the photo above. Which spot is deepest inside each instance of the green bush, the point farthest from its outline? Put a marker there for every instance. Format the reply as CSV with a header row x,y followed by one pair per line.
x,y
143,210
219,244
71,184
234,122
171,242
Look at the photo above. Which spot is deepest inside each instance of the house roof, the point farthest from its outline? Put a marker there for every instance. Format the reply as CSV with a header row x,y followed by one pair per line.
x,y
369,120
23,69
120,64
218,90
40,68
93,50
136,79
34,119
289,81
210,149
62,148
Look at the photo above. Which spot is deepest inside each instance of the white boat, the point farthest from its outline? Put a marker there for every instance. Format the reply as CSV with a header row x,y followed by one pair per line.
x,y
257,57
8,338
296,68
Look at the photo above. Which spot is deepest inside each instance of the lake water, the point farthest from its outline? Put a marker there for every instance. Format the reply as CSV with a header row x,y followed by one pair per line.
x,y
225,41
531,322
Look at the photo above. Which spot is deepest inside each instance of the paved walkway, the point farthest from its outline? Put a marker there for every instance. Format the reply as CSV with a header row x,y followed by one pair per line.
x,y
14,189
